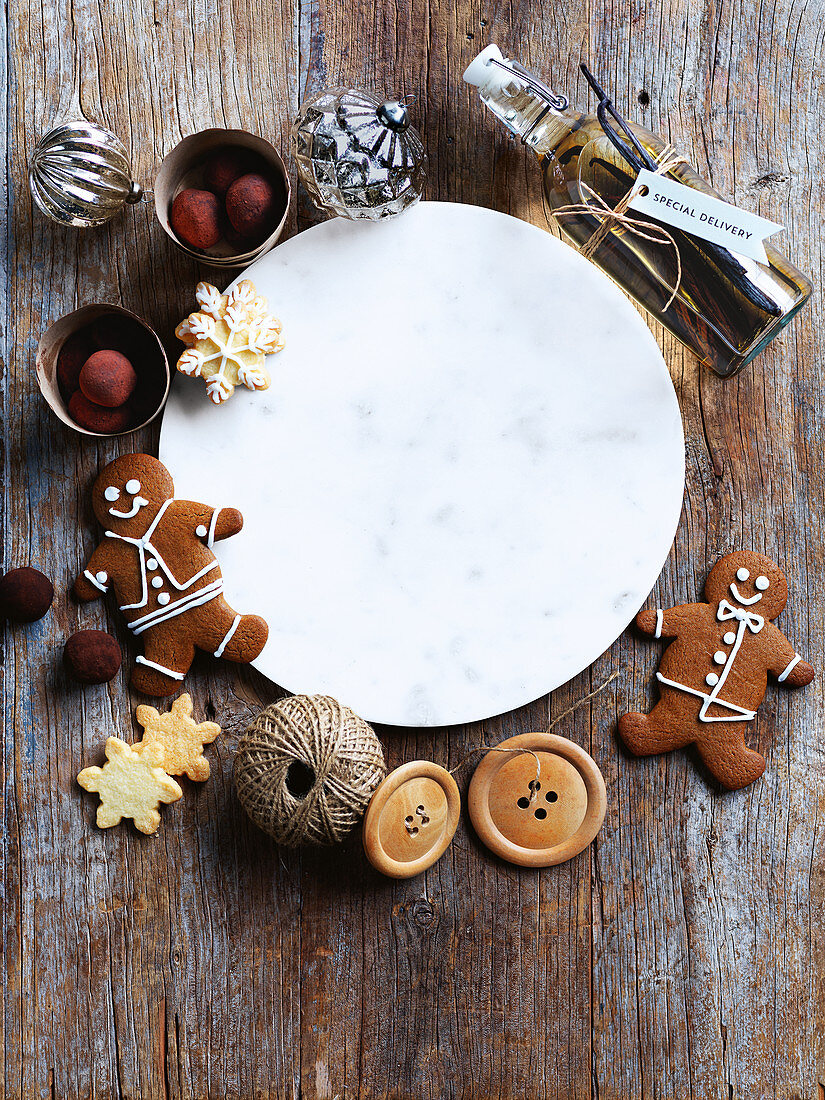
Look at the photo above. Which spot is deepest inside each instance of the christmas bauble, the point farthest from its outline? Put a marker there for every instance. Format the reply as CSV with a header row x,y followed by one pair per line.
x,y
79,175
357,154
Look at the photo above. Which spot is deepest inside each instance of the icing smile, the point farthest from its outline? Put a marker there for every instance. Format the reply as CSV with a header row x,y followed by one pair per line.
x,y
741,599
137,504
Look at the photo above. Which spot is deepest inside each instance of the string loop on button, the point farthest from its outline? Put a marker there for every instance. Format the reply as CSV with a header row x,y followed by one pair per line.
x,y
534,788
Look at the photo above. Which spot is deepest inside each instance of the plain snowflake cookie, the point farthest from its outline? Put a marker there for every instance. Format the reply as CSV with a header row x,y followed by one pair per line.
x,y
130,784
228,339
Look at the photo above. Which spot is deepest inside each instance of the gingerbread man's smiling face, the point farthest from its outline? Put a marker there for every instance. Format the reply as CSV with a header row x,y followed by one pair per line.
x,y
129,492
749,581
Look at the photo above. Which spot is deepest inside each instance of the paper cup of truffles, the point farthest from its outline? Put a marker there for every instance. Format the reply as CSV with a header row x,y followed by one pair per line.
x,y
103,370
223,196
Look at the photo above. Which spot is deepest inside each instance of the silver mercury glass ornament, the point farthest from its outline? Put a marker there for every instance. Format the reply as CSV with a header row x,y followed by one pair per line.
x,y
357,154
79,174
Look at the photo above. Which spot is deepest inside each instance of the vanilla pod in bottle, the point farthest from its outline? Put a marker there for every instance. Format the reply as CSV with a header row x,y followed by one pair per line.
x,y
726,307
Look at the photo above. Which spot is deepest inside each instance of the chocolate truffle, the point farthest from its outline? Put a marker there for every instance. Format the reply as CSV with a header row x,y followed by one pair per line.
x,y
108,378
224,167
196,218
252,206
73,353
92,657
97,418
25,595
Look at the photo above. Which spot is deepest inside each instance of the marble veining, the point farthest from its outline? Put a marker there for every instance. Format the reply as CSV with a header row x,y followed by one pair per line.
x,y
465,477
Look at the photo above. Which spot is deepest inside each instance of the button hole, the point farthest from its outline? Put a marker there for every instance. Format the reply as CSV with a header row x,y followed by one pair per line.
x,y
551,796
541,813
524,803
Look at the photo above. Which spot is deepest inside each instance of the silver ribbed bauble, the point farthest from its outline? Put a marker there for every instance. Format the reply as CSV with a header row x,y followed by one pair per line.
x,y
79,174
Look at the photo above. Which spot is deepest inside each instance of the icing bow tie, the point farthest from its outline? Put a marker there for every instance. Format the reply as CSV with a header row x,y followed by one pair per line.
x,y
728,611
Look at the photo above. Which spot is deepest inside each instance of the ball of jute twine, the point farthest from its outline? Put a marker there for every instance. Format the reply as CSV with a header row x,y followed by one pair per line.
x,y
306,768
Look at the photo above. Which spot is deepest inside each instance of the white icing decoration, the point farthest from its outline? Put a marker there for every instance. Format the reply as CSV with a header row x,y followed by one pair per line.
x,y
93,579
210,539
660,616
137,504
141,545
227,636
747,620
157,582
742,574
762,583
200,531
783,676
729,638
132,486
102,576
111,493
160,668
152,563
194,599
720,657
741,599
163,598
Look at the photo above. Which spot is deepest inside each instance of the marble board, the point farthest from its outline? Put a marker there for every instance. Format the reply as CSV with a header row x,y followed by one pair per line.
x,y
465,477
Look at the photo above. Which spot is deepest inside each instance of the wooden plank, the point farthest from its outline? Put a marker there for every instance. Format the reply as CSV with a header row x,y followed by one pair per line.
x,y
711,903
129,962
681,956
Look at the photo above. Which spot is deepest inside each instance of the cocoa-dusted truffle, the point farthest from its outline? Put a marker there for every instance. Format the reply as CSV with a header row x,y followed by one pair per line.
x,y
97,418
108,378
73,353
196,218
223,167
26,594
252,206
92,657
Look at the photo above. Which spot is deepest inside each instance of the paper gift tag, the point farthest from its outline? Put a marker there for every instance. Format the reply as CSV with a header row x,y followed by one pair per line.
x,y
704,216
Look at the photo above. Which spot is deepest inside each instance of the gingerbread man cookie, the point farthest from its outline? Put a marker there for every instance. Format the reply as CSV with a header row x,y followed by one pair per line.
x,y
714,674
157,556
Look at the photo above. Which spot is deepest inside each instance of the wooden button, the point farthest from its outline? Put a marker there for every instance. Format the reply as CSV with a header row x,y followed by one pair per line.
x,y
411,819
537,821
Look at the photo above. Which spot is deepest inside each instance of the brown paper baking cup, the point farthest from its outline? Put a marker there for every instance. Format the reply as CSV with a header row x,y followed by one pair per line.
x,y
183,168
152,370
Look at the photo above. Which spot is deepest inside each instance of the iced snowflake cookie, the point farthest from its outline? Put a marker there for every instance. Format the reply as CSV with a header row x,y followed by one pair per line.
x,y
228,339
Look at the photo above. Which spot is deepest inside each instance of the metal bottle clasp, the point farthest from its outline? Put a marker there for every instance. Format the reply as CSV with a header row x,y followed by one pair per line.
x,y
554,102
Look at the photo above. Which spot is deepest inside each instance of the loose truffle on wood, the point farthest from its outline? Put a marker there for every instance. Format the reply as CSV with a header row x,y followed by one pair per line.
x,y
92,657
26,594
108,378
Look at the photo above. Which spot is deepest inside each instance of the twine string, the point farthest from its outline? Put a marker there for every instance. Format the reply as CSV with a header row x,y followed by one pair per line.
x,y
534,790
618,216
340,750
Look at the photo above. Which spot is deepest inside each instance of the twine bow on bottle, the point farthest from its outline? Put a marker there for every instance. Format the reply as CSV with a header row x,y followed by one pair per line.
x,y
618,216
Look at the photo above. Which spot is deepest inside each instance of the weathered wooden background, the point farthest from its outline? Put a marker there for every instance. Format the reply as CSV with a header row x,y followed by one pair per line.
x,y
683,955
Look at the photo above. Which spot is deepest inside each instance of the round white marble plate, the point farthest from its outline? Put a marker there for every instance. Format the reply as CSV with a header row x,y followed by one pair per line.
x,y
465,477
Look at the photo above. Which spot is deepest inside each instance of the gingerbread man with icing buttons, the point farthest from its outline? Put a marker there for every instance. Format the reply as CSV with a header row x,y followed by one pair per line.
x,y
714,674
157,556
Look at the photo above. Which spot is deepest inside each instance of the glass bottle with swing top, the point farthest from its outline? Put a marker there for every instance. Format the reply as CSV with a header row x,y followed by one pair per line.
x,y
723,306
